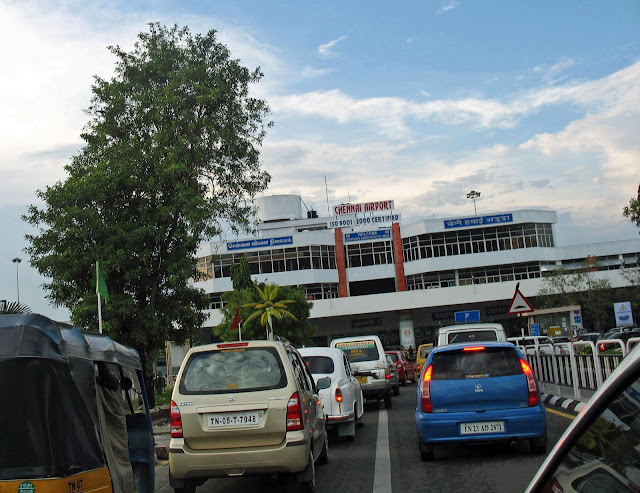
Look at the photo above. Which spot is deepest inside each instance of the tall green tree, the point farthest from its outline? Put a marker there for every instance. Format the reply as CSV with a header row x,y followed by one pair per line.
x,y
241,274
632,211
298,330
580,287
171,157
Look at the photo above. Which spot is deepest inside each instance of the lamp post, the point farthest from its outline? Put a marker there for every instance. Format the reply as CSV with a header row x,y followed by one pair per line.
x,y
17,262
473,195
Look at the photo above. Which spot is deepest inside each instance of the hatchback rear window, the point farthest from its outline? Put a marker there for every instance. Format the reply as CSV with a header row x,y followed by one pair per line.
x,y
233,370
358,351
479,363
473,336
394,356
319,365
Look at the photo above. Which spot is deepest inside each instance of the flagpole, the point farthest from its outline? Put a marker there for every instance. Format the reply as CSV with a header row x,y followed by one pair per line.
x,y
99,304
240,330
99,314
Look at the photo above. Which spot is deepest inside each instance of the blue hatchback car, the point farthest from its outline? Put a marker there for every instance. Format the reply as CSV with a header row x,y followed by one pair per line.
x,y
479,392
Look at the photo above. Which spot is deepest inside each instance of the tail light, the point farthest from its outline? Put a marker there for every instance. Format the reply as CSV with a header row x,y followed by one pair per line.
x,y
425,391
417,368
338,395
387,373
176,421
294,413
602,346
534,396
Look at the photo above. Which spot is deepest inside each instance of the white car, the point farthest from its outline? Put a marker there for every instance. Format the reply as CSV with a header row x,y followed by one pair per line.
x,y
343,402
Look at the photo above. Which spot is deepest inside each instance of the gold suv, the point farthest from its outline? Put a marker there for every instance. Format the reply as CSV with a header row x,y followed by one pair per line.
x,y
245,408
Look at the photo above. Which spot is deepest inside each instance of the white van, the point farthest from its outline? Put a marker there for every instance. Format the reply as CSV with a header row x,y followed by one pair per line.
x,y
452,334
369,364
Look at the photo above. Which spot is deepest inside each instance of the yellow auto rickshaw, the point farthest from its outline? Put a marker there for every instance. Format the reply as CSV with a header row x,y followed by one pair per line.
x,y
75,413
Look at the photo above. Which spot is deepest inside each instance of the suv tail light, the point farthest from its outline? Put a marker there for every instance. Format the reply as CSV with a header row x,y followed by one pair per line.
x,y
294,413
425,391
387,373
176,421
338,395
534,395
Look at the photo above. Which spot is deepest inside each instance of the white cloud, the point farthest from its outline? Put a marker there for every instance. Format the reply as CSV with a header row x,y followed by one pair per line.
x,y
326,50
312,73
452,4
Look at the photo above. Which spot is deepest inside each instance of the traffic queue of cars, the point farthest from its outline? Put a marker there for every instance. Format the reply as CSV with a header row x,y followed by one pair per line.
x,y
264,407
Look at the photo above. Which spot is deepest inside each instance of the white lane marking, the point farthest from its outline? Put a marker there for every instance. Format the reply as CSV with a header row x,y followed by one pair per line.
x,y
382,471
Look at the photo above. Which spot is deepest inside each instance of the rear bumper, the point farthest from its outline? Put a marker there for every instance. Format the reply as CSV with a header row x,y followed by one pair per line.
x,y
340,418
376,389
442,428
290,456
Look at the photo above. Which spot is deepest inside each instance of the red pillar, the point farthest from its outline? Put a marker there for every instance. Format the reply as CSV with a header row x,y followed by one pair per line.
x,y
401,280
341,264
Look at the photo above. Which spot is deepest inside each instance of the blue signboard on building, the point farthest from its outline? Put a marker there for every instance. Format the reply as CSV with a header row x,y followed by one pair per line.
x,y
535,329
478,221
259,242
468,316
378,234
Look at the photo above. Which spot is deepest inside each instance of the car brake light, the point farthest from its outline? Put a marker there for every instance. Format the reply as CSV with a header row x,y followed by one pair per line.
x,y
176,421
602,346
294,413
474,348
425,391
338,395
531,383
387,373
233,344
417,368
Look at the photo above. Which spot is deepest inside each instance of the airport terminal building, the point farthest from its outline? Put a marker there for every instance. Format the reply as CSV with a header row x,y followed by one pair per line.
x,y
367,272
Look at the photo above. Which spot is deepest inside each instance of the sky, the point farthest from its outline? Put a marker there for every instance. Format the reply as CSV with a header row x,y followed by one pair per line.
x,y
536,105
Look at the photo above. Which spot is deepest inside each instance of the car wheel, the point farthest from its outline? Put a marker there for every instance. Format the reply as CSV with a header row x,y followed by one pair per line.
x,y
187,488
360,420
387,401
307,478
396,391
323,458
427,452
539,445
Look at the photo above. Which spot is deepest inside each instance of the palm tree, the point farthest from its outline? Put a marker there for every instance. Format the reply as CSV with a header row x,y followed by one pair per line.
x,y
269,308
14,308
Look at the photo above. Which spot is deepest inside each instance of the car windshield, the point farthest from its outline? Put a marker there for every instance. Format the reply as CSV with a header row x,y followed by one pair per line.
x,y
358,351
479,363
233,370
319,365
473,336
393,356
424,351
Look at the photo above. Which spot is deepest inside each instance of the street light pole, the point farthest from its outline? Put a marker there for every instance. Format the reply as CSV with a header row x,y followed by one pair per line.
x,y
17,262
473,195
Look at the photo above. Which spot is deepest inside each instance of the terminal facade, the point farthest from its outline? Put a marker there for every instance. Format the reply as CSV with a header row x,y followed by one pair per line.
x,y
367,273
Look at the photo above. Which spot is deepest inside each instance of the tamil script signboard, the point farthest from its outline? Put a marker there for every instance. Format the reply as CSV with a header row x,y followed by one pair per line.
x,y
478,221
259,242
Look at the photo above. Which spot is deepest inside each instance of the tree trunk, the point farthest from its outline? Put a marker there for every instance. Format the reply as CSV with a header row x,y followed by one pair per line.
x,y
147,370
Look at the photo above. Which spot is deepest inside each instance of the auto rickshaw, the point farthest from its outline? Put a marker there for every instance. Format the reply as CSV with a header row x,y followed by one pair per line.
x,y
75,415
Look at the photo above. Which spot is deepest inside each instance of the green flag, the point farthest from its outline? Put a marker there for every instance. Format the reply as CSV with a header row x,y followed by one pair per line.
x,y
101,285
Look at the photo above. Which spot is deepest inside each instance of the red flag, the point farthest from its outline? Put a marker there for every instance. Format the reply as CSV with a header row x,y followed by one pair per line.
x,y
237,320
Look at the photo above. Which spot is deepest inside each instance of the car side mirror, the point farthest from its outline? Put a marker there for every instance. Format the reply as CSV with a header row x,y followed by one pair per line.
x,y
126,384
323,383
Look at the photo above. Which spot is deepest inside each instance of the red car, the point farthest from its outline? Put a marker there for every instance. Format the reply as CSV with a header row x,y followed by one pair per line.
x,y
406,370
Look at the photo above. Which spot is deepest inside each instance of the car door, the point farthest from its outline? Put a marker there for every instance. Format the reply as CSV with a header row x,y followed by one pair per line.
x,y
310,401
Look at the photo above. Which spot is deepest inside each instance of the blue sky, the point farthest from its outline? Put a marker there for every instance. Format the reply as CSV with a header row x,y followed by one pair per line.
x,y
535,104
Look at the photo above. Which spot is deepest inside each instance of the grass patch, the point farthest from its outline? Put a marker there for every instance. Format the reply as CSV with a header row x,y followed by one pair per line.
x,y
164,398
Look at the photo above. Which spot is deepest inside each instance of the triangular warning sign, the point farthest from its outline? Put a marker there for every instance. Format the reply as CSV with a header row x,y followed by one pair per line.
x,y
519,304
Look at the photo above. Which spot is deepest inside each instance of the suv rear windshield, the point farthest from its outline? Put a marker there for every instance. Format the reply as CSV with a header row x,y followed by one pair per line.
x,y
233,370
485,363
358,351
319,364
473,336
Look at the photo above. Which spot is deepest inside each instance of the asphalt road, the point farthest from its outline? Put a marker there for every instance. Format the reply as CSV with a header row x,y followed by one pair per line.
x,y
385,458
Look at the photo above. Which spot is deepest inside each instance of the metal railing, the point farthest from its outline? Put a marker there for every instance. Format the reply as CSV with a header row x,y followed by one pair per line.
x,y
571,364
